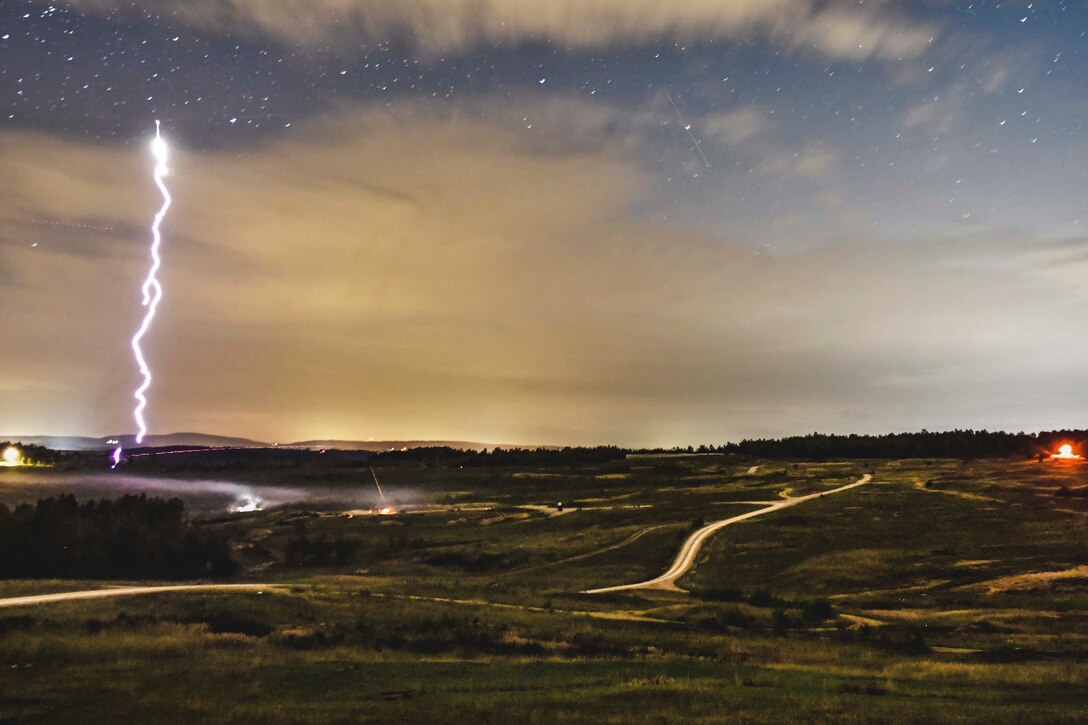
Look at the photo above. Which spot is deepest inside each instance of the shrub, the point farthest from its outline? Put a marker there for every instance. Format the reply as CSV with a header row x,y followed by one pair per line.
x,y
819,610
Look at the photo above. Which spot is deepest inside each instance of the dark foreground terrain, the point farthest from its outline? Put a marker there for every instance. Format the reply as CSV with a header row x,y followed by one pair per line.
x,y
944,591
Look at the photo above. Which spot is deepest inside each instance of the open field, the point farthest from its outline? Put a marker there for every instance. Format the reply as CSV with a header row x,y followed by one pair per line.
x,y
942,591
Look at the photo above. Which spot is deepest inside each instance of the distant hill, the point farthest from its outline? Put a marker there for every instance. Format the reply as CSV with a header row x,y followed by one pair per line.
x,y
391,445
84,443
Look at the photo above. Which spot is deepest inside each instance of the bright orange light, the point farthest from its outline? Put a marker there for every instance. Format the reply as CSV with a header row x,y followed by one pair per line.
x,y
386,511
1065,453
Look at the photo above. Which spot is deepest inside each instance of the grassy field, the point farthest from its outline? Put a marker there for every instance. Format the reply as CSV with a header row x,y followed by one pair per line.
x,y
944,591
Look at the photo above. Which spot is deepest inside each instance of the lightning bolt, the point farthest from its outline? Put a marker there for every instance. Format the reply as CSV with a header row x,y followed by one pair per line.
x,y
151,289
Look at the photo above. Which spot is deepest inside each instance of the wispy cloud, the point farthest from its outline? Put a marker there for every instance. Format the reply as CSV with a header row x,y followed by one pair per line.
x,y
431,273
837,29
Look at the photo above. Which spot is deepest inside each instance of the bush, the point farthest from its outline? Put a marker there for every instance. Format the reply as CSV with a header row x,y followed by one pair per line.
x,y
230,623
783,621
733,617
909,641
18,622
722,595
819,610
301,638
303,551
432,636
763,598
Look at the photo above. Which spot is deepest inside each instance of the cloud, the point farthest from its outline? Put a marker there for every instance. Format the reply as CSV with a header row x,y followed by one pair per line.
x,y
561,123
813,161
852,33
448,275
982,72
1059,265
736,127
939,114
837,30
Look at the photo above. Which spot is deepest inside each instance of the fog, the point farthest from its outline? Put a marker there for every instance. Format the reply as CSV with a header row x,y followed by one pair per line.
x,y
203,497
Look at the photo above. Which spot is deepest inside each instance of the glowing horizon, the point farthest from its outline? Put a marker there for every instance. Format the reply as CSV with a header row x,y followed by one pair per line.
x,y
501,227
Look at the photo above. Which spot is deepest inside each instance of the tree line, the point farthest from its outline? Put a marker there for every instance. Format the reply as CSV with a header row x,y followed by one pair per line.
x,y
502,457
132,537
964,444
31,453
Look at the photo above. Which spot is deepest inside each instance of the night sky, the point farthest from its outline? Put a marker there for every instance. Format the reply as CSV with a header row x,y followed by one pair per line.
x,y
577,221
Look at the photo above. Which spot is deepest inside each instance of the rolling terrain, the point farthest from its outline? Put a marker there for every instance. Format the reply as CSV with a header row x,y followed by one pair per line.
x,y
938,591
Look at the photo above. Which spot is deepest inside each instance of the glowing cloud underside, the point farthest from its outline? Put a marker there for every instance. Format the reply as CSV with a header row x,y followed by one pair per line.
x,y
152,289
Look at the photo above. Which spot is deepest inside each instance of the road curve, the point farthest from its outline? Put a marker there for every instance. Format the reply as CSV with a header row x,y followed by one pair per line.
x,y
128,591
577,557
690,549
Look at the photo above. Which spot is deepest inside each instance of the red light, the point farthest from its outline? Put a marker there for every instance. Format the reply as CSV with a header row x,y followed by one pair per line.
x,y
1066,453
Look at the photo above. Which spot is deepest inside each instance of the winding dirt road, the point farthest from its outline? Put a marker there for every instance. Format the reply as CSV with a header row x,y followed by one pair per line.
x,y
129,591
692,545
682,564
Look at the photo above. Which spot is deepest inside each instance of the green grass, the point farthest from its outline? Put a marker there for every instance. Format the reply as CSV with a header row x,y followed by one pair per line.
x,y
885,603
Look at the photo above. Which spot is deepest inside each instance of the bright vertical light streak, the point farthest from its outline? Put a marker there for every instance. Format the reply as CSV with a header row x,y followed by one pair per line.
x,y
152,289
378,485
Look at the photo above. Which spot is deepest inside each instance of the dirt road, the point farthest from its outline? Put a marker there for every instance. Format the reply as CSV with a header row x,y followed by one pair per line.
x,y
129,591
692,545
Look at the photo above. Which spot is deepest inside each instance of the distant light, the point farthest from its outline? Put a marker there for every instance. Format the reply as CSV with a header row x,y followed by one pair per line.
x,y
1065,453
12,456
248,504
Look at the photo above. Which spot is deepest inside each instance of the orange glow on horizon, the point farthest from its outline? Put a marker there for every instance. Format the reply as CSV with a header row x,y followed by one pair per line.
x,y
1065,453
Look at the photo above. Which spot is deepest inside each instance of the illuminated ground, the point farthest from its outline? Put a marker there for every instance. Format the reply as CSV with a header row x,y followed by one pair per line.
x,y
943,591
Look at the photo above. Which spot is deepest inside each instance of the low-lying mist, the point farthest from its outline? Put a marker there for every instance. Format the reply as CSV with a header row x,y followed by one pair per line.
x,y
201,496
